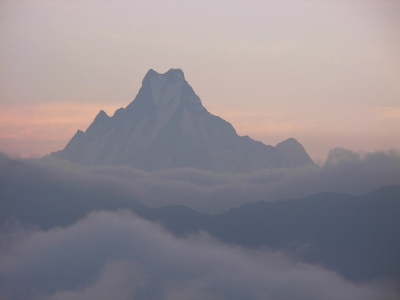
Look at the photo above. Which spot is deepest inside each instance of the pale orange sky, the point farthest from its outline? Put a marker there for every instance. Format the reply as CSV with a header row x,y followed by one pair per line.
x,y
324,72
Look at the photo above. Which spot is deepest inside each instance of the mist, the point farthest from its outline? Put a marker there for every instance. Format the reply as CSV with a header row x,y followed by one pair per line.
x,y
90,249
120,256
344,171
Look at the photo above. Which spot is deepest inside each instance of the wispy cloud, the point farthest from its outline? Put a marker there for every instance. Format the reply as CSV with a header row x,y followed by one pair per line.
x,y
388,112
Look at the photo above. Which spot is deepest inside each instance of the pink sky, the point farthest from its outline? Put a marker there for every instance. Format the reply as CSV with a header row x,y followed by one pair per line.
x,y
324,72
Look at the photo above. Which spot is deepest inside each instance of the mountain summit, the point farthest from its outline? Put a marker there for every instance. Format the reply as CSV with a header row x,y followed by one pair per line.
x,y
166,126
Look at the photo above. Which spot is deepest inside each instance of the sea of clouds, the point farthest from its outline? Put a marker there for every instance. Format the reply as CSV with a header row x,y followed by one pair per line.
x,y
117,255
344,172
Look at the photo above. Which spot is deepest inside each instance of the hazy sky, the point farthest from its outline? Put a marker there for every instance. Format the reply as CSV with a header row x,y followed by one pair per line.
x,y
324,72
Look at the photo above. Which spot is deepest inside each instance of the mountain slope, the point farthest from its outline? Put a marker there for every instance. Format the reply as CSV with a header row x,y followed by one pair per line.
x,y
357,236
166,126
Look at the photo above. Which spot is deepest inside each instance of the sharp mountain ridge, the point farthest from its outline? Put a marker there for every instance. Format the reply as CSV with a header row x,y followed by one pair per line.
x,y
166,126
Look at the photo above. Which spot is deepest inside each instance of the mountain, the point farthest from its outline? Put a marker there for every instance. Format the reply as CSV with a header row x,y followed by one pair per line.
x,y
356,236
166,126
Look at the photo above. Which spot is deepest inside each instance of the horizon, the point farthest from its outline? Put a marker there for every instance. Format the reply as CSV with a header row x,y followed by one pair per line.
x,y
326,74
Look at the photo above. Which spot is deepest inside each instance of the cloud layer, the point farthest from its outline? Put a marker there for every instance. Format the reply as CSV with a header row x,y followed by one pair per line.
x,y
344,171
120,256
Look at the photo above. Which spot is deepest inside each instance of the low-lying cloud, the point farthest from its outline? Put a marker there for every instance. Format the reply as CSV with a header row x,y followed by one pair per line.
x,y
116,255
344,171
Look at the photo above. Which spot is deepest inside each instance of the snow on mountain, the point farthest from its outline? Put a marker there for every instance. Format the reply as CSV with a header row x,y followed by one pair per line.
x,y
166,126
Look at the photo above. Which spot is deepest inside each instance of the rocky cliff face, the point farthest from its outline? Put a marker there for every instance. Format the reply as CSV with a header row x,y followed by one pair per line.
x,y
166,126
